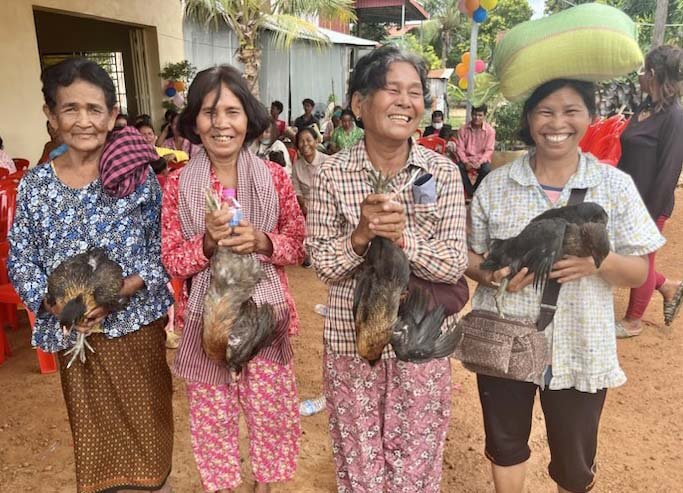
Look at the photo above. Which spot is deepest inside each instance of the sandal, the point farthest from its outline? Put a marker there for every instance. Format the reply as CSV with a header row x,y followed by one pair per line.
x,y
624,333
671,308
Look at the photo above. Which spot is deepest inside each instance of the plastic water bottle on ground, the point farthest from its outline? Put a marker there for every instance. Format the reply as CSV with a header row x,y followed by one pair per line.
x,y
310,407
321,309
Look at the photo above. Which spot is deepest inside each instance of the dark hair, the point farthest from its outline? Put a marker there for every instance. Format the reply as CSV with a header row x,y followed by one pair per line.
x,y
145,123
159,165
349,113
370,73
210,80
667,63
122,115
481,109
277,157
64,73
308,101
143,118
437,113
2,145
585,89
278,105
304,130
169,115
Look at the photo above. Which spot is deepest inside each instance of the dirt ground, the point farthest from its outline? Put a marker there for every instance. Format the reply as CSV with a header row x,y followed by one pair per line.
x,y
640,437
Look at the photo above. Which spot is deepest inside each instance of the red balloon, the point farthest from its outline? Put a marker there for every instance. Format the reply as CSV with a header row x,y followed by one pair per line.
x,y
479,66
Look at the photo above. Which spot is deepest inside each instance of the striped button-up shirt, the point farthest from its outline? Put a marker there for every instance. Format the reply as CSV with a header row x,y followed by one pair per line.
x,y
581,336
434,238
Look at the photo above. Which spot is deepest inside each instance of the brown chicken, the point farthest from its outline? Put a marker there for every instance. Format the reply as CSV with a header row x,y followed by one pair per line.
x,y
380,284
79,284
235,328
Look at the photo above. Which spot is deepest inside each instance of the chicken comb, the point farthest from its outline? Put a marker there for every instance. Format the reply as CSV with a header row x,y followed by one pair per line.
x,y
212,200
380,183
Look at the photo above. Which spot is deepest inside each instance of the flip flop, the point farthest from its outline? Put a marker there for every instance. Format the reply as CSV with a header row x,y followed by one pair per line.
x,y
673,307
623,333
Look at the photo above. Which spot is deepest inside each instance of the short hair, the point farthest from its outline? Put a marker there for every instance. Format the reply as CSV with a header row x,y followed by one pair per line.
x,y
437,113
122,115
308,101
667,63
2,145
481,109
212,79
370,73
64,73
277,157
309,130
278,105
348,112
145,123
585,89
159,165
169,115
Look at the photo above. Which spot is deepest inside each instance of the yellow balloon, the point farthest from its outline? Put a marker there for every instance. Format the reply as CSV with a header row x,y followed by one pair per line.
x,y
462,83
488,4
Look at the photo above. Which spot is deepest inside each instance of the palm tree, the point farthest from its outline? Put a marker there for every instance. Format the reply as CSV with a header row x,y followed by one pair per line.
x,y
446,25
285,18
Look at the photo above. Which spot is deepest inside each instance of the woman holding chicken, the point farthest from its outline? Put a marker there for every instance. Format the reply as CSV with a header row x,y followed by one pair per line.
x,y
225,117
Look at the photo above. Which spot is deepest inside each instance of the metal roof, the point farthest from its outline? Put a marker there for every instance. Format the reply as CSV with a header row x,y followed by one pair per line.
x,y
389,11
346,39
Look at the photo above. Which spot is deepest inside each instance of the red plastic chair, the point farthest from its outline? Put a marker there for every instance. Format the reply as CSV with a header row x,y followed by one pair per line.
x,y
433,142
21,163
293,154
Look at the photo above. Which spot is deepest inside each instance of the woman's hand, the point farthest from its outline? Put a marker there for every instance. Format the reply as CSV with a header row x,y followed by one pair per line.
x,y
571,268
518,282
246,239
92,319
217,228
379,216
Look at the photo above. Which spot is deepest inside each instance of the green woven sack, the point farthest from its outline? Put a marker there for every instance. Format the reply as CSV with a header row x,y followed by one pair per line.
x,y
591,42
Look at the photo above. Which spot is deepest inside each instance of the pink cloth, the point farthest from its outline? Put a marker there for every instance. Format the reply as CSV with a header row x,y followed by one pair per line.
x,y
125,162
475,145
388,423
267,393
640,296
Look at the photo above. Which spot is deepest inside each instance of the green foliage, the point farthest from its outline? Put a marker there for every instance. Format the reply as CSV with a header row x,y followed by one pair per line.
x,y
183,71
505,119
410,43
375,31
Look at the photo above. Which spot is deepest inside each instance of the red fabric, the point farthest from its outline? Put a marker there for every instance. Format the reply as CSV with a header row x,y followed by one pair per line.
x,y
602,139
475,146
125,162
640,296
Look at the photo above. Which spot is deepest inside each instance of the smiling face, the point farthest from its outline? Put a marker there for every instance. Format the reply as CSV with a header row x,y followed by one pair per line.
x,y
558,123
148,134
347,122
307,145
478,118
81,117
394,111
222,128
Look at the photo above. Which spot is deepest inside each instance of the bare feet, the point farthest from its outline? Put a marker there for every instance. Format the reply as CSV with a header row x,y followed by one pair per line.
x,y
668,289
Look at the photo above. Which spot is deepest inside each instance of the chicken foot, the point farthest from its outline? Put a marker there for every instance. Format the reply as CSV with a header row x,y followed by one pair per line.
x,y
79,349
500,295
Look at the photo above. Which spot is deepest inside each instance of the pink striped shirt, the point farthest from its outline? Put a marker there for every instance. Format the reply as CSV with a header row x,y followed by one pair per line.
x,y
475,145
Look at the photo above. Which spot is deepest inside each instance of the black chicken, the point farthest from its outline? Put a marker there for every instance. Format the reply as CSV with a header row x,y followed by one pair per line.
x,y
79,284
578,230
416,336
380,283
235,328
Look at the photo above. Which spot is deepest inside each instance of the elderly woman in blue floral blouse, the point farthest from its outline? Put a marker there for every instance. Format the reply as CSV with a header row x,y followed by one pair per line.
x,y
119,399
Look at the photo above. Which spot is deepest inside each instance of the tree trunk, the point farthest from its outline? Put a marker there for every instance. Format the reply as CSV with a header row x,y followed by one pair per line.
x,y
250,57
661,12
445,47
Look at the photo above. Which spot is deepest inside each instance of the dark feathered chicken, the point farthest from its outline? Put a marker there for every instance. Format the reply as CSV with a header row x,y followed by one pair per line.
x,y
416,335
81,283
235,328
380,283
578,230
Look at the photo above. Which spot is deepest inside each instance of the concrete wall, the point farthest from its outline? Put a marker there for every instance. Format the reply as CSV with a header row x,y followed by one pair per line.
x,y
22,123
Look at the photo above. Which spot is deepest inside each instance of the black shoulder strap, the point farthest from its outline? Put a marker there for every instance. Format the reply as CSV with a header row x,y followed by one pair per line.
x,y
552,287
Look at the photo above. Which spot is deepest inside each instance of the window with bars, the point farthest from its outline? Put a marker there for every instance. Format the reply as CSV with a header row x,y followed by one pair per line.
x,y
111,61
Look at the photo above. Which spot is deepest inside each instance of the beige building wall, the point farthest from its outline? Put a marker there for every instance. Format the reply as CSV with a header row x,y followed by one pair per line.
x,y
22,123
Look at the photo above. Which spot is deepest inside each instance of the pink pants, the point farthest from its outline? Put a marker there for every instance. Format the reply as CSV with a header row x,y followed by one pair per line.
x,y
640,296
388,423
267,393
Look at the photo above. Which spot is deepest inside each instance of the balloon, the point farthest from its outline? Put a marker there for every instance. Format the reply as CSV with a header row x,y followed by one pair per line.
x,y
178,100
488,4
462,7
461,70
170,92
479,15
462,83
466,58
471,5
179,85
479,66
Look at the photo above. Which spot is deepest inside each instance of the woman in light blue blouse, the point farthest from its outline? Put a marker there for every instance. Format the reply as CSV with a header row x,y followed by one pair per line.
x,y
119,399
583,362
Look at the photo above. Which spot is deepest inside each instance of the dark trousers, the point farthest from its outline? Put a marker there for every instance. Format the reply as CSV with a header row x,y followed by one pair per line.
x,y
483,170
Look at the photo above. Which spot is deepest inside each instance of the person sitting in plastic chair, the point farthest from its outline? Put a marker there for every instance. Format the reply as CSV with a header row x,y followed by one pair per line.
x,y
473,148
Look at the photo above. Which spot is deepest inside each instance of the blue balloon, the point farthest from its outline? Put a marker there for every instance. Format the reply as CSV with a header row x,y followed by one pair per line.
x,y
479,15
170,91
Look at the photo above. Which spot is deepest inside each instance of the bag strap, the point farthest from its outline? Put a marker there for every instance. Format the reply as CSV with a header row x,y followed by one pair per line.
x,y
552,287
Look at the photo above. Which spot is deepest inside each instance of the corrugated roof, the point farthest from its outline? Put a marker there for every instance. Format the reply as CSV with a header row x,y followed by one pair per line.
x,y
346,39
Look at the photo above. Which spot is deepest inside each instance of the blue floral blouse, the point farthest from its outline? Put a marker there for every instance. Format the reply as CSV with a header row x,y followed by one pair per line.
x,y
54,222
